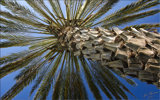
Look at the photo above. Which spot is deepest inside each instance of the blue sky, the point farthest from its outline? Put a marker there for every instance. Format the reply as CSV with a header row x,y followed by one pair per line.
x,y
139,91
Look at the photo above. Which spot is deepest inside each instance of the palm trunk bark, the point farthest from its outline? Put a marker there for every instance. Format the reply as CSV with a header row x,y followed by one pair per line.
x,y
134,53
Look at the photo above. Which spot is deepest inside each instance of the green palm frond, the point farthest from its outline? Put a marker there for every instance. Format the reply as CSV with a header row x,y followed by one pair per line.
x,y
91,7
56,8
10,23
147,5
9,29
109,81
46,84
34,4
20,10
22,37
105,8
13,57
59,79
41,2
21,20
48,61
90,80
82,8
133,17
129,9
13,66
6,44
145,26
22,40
23,80
42,74
12,27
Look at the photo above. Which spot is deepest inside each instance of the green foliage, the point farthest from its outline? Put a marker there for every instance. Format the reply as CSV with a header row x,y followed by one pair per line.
x,y
145,26
133,17
51,66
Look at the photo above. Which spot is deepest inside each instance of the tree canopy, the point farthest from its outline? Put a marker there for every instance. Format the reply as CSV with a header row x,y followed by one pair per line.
x,y
51,66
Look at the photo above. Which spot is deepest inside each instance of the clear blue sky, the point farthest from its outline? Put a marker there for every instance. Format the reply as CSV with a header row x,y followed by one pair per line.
x,y
139,91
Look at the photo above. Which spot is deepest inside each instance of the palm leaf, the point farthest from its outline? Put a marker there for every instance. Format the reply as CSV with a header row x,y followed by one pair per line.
x,y
147,5
81,90
13,66
82,9
89,79
91,7
13,57
145,26
46,84
129,9
40,10
127,19
43,73
43,42
41,2
105,8
23,81
56,8
11,24
12,27
59,80
19,40
53,66
19,10
22,20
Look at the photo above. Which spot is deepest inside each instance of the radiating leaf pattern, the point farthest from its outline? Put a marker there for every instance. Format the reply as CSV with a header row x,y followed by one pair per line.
x,y
48,62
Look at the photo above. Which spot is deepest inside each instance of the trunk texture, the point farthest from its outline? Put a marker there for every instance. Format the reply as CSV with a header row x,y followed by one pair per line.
x,y
134,53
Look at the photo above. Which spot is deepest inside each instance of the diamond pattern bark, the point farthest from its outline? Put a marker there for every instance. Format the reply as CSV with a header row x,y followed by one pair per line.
x,y
135,53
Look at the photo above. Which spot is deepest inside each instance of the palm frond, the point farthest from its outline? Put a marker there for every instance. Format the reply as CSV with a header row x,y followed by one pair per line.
x,y
19,37
20,10
8,26
46,84
41,2
82,8
10,23
56,8
129,9
22,40
13,66
21,20
91,7
105,8
13,57
44,42
114,86
59,81
145,26
81,90
40,10
24,80
6,44
130,18
147,5
119,73
10,29
90,79
43,73
50,61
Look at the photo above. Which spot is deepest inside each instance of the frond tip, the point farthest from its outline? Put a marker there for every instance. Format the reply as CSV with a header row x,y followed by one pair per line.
x,y
145,26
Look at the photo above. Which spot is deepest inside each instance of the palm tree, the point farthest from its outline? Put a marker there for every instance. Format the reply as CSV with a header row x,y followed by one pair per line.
x,y
79,46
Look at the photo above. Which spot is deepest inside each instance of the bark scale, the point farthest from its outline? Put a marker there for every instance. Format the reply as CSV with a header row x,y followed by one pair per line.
x,y
134,53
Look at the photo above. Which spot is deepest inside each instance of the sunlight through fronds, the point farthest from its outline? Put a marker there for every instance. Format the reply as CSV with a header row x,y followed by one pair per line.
x,y
59,62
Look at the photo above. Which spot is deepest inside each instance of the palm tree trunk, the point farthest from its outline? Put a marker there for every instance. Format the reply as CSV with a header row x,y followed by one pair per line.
x,y
134,53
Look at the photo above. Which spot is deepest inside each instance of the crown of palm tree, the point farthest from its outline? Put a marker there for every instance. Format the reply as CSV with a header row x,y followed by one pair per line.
x,y
48,61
